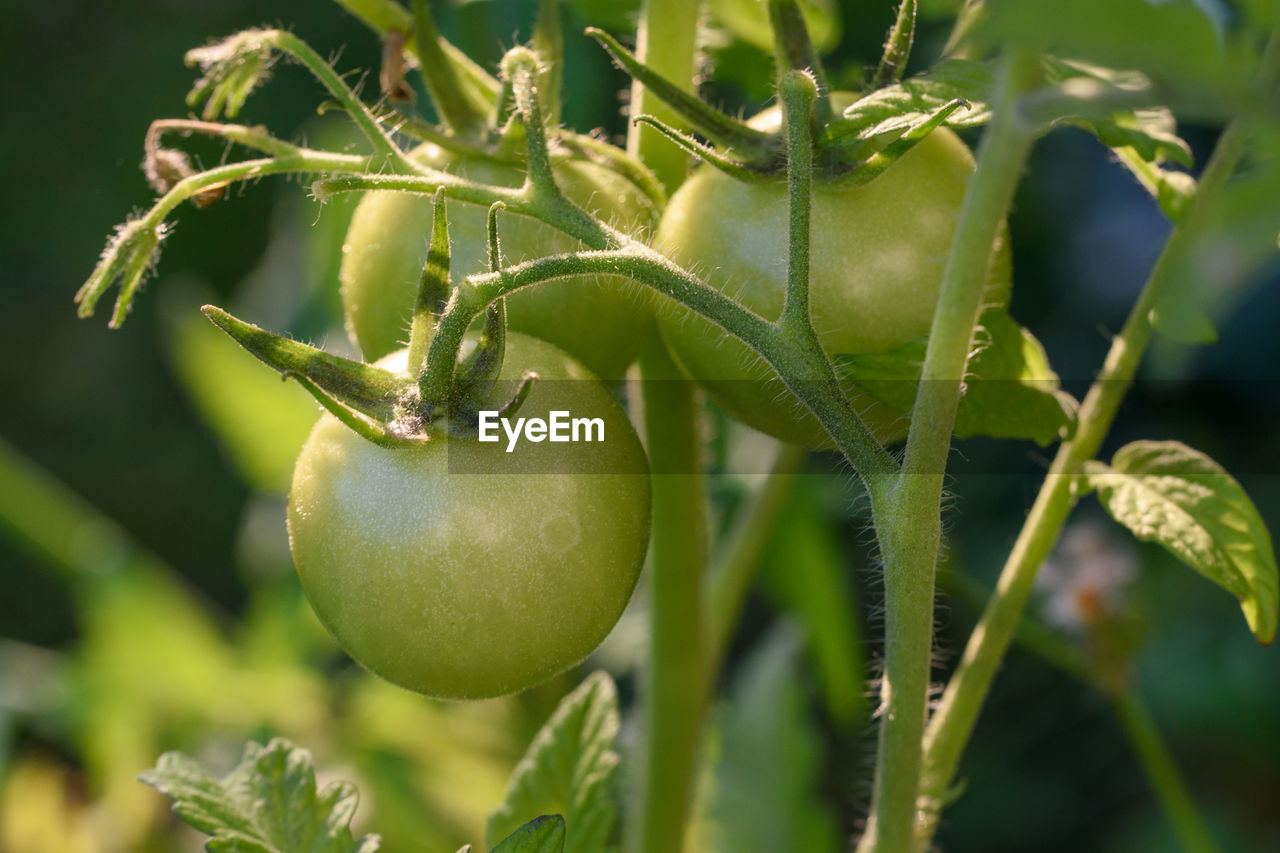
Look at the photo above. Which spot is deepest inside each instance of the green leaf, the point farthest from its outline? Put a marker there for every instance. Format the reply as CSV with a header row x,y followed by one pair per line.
x,y
765,795
545,834
569,770
1143,139
1011,391
1232,247
267,804
1173,41
806,571
1168,493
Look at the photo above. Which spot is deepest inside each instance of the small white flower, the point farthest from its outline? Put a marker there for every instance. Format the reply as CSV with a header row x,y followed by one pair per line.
x,y
1084,579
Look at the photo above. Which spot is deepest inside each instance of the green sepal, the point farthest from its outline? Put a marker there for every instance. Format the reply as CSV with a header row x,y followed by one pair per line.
x,y
476,375
877,163
723,162
1010,390
913,100
545,834
749,144
363,388
434,287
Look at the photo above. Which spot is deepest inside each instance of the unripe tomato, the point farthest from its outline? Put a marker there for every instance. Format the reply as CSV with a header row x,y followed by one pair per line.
x,y
877,255
600,320
462,571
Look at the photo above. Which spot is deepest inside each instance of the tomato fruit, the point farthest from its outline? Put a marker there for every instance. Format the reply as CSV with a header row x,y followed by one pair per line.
x,y
601,321
877,254
459,570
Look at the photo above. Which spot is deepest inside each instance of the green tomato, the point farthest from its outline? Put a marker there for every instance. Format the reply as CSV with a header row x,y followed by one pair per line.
x,y
877,255
462,571
601,321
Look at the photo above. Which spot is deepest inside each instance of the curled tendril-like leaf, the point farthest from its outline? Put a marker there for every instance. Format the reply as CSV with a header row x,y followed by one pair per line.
x,y
166,167
129,255
231,69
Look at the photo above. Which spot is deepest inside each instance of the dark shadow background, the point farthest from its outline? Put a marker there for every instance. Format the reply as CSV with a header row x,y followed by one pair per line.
x,y
1049,769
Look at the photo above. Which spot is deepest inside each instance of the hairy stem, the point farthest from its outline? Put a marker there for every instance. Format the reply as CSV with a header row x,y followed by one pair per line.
x,y
360,114
953,723
908,516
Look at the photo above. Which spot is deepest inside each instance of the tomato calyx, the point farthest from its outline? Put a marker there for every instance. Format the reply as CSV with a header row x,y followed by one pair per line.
x,y
398,409
843,152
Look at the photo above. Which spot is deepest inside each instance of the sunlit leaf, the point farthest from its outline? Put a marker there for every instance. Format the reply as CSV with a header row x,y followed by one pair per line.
x,y
1168,493
569,770
1010,391
765,795
544,834
807,572
1176,42
267,804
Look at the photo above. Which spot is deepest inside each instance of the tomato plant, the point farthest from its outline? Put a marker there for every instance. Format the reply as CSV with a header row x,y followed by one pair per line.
x,y
835,273
600,320
425,563
876,258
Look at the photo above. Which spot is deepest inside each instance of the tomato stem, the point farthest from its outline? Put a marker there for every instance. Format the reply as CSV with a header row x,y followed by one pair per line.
x,y
908,514
897,48
441,77
798,91
952,725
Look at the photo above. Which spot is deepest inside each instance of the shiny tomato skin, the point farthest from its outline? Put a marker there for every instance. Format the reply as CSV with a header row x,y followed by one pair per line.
x,y
460,571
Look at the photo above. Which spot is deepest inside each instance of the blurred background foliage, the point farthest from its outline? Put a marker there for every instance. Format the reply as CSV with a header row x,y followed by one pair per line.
x,y
149,602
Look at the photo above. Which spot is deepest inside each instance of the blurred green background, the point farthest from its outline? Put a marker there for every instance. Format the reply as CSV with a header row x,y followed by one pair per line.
x,y
149,602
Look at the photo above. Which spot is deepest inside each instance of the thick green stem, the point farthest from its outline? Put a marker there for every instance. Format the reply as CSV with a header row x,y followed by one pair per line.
x,y
441,77
668,45
953,723
908,516
674,696
1161,771
675,693
958,711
